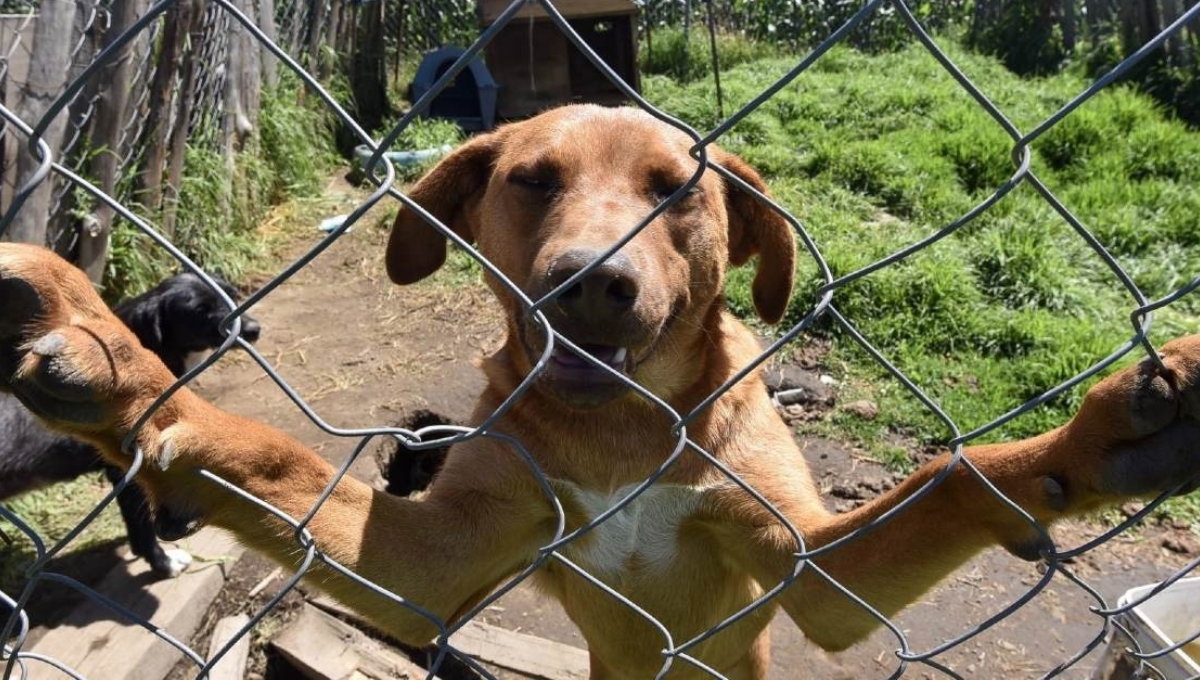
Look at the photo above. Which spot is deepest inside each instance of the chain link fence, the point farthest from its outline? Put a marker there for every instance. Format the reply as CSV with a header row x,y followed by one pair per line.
x,y
294,41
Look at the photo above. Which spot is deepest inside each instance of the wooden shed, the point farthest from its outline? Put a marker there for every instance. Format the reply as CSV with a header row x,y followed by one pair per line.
x,y
536,67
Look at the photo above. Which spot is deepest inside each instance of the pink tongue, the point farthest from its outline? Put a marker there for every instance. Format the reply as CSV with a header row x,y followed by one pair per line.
x,y
602,353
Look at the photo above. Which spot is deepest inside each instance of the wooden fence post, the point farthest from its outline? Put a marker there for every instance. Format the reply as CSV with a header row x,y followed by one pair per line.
x,y
111,113
158,115
194,29
48,66
266,21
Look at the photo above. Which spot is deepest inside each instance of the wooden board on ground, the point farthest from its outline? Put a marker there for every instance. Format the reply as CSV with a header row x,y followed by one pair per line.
x,y
232,666
98,643
526,654
322,647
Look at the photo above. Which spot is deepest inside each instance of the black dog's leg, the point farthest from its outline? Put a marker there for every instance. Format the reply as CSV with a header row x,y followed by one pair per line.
x,y
139,523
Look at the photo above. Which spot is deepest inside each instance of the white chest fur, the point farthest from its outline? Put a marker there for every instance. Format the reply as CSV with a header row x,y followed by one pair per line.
x,y
645,531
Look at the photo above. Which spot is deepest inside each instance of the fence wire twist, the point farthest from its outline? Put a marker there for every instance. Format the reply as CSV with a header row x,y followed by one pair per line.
x,y
297,33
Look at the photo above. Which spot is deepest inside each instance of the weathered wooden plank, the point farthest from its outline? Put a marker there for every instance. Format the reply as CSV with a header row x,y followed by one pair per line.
x,y
322,647
49,62
232,666
520,652
98,643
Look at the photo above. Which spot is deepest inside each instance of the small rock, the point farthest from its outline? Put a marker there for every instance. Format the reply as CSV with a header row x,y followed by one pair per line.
x,y
845,491
872,485
794,385
867,410
1181,543
842,507
1131,509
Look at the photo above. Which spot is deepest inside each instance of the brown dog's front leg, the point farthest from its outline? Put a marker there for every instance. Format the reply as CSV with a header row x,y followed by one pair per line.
x,y
1137,434
72,363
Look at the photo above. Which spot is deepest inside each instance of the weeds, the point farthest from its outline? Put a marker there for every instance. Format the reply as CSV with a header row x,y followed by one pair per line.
x,y
220,204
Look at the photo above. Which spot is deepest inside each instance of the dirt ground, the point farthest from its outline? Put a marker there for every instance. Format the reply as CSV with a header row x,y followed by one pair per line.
x,y
362,352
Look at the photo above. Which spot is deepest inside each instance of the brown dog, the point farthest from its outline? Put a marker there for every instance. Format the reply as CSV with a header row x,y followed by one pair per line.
x,y
542,199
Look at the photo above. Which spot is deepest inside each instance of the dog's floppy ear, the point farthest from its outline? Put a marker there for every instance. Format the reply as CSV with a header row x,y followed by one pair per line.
x,y
450,192
144,316
756,229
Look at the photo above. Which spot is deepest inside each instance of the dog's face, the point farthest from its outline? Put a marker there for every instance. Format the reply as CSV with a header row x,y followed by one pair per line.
x,y
544,198
180,319
192,312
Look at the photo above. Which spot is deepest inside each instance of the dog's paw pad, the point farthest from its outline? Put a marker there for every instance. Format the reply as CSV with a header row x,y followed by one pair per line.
x,y
1056,494
1160,462
1154,402
19,303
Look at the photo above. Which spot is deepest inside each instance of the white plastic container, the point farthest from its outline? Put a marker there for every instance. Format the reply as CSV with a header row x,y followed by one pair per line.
x,y
1161,621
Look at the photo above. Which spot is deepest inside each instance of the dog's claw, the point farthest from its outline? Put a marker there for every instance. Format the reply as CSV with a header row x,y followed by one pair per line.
x,y
166,454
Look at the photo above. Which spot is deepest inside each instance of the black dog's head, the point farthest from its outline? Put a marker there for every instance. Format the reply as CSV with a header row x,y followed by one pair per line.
x,y
182,316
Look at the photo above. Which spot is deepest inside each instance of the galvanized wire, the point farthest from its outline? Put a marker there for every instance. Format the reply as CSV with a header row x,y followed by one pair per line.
x,y
300,24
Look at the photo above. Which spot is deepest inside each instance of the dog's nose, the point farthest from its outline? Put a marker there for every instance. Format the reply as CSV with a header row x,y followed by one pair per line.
x,y
250,329
609,288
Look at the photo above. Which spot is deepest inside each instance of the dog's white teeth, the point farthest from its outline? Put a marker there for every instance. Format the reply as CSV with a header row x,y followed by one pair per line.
x,y
619,356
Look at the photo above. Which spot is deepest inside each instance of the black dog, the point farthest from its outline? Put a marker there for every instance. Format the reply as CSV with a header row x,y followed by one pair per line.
x,y
177,320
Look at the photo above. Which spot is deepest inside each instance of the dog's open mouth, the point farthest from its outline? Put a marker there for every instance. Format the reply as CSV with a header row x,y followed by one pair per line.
x,y
567,361
584,382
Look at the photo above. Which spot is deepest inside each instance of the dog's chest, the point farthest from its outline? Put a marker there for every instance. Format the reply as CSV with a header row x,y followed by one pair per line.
x,y
642,535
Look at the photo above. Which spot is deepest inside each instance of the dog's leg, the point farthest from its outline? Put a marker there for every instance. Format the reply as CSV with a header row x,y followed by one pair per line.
x,y
139,524
65,356
1137,434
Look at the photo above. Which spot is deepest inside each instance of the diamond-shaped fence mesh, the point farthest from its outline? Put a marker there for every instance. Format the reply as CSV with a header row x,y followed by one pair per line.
x,y
49,180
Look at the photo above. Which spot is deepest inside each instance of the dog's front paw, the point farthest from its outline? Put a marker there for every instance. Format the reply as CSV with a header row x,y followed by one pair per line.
x,y
1146,422
62,352
171,563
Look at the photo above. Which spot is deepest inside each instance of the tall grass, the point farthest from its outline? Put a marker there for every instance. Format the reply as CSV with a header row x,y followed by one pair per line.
x,y
874,153
219,206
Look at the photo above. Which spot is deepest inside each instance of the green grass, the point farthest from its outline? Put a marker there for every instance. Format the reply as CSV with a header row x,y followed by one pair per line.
x,y
873,153
220,207
53,512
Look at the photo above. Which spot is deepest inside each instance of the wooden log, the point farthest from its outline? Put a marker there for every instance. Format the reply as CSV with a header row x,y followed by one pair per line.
x,y
47,77
232,666
183,115
318,10
14,30
266,22
321,647
158,115
112,110
368,72
98,643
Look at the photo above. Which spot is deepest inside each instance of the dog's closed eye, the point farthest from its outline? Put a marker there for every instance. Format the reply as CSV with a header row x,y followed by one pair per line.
x,y
539,178
663,192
